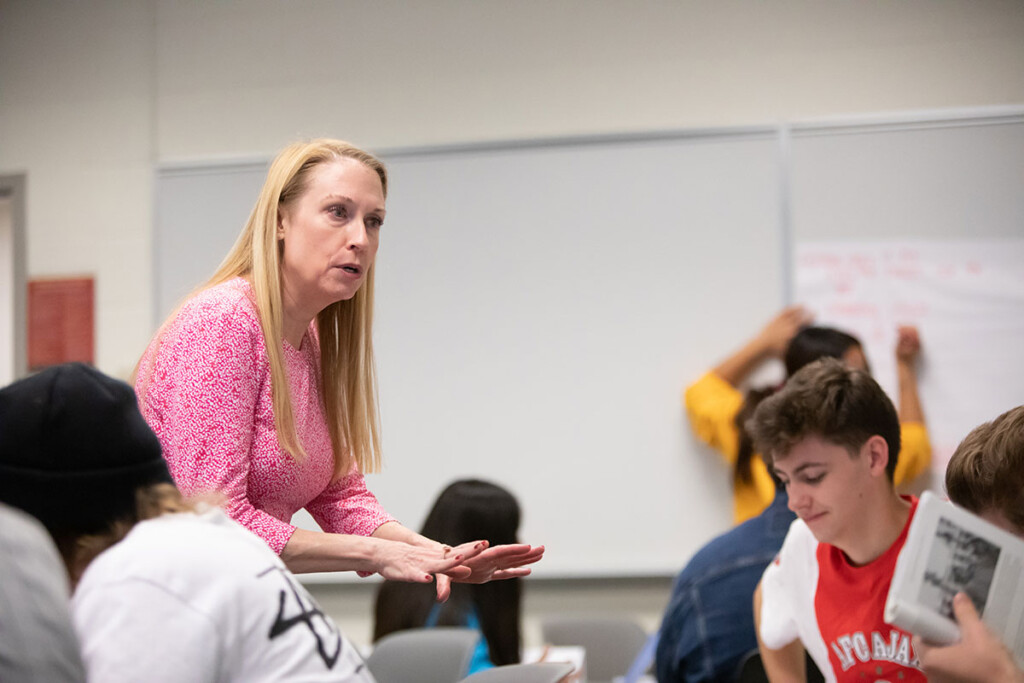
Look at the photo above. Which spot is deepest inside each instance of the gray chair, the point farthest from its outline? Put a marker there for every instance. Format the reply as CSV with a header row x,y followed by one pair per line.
x,y
537,672
611,644
423,655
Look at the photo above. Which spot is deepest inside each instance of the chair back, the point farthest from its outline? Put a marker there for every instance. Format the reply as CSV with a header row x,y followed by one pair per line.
x,y
537,672
611,644
423,655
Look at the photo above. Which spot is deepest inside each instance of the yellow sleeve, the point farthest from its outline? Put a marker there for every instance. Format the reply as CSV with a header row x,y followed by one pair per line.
x,y
751,499
915,452
711,404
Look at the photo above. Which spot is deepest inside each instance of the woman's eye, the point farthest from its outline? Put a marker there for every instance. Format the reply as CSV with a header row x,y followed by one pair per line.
x,y
337,211
373,222
814,479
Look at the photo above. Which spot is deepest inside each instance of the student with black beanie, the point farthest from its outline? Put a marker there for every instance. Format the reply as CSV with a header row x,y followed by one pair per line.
x,y
163,591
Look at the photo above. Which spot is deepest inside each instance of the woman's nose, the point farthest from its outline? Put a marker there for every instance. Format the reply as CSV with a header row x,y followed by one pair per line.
x,y
357,235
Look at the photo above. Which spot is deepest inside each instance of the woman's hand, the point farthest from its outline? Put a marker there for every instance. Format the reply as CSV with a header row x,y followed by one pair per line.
x,y
473,562
402,561
500,562
979,656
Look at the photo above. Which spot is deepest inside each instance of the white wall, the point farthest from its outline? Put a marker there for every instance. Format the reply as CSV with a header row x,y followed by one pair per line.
x,y
93,95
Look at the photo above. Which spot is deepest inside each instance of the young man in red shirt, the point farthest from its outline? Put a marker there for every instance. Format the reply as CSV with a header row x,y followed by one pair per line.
x,y
833,438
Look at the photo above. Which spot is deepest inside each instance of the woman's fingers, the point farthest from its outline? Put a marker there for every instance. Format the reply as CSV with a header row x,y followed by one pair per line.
x,y
502,562
405,562
507,556
444,588
515,573
468,550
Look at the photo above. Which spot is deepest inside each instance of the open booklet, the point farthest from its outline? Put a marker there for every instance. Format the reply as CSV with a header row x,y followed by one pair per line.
x,y
949,550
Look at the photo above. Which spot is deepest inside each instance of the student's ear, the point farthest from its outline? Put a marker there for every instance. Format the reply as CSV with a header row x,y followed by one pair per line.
x,y
877,450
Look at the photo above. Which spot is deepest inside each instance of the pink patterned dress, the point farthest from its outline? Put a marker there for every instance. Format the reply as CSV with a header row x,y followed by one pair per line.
x,y
204,388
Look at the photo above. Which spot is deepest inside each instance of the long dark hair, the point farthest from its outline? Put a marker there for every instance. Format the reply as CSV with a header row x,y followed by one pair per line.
x,y
806,346
467,510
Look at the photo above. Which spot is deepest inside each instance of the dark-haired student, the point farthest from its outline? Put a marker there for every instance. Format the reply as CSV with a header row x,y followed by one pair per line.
x,y
833,438
717,407
708,626
467,509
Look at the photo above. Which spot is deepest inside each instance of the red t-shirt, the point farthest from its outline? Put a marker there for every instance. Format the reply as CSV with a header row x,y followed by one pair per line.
x,y
813,593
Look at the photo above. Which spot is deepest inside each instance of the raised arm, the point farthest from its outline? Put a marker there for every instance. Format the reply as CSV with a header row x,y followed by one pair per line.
x,y
915,449
908,350
770,342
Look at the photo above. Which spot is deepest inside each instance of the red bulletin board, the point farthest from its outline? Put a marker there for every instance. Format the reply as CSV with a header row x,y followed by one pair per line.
x,y
60,321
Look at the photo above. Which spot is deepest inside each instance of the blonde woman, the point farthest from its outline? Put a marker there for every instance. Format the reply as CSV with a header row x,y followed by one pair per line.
x,y
261,385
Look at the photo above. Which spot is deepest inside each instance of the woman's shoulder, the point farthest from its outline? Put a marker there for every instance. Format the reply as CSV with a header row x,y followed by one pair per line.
x,y
225,309
231,298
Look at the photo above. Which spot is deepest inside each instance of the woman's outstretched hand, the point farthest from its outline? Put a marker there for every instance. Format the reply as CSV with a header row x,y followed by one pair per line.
x,y
492,564
398,561
500,562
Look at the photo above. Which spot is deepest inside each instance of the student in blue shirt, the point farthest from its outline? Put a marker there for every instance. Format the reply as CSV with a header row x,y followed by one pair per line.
x,y
468,509
708,625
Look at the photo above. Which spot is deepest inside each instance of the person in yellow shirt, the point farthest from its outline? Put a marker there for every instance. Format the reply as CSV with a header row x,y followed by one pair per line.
x,y
718,409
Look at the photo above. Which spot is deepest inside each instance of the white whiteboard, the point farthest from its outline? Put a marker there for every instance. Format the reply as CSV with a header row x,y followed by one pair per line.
x,y
541,305
966,298
539,310
920,224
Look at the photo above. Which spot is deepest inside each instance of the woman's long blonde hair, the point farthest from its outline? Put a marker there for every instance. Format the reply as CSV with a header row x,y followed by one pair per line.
x,y
345,328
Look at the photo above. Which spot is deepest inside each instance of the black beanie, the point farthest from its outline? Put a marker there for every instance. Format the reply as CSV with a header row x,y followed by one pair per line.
x,y
74,448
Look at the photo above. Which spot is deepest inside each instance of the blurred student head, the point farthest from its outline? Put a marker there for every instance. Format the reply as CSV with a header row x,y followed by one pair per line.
x,y
466,510
473,509
808,345
76,454
833,438
830,401
986,473
812,343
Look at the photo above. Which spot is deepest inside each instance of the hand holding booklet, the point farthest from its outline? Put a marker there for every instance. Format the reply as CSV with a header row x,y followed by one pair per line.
x,y
949,550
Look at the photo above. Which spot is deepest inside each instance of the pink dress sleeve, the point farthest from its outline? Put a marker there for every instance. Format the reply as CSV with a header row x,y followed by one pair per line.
x,y
201,400
348,507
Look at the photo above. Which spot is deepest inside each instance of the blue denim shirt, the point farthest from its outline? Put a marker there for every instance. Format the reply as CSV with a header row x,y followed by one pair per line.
x,y
709,623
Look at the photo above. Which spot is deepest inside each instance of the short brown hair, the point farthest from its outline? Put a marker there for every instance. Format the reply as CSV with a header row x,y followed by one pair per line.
x,y
987,470
831,401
